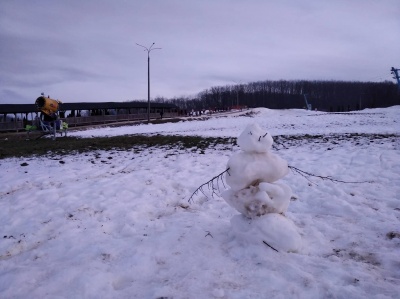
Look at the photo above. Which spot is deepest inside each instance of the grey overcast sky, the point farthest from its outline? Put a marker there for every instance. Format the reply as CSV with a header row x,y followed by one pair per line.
x,y
85,50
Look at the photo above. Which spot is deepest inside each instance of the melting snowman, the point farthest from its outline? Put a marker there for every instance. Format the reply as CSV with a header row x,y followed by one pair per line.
x,y
254,192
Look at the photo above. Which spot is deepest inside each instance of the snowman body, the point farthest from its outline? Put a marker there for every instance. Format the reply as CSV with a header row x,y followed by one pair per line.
x,y
249,168
254,192
252,175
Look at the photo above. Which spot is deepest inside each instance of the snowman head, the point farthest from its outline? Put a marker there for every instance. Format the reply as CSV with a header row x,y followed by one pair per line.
x,y
255,139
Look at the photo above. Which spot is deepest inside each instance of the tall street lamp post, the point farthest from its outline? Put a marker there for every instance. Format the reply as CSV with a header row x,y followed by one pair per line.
x,y
149,49
237,87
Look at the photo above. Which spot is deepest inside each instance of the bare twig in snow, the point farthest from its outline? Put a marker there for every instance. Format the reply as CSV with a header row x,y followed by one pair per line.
x,y
211,185
307,174
270,246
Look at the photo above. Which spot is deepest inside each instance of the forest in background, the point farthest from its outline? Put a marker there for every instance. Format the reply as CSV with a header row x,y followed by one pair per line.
x,y
332,96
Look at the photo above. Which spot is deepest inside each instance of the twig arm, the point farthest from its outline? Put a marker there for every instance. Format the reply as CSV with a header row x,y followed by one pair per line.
x,y
210,185
307,174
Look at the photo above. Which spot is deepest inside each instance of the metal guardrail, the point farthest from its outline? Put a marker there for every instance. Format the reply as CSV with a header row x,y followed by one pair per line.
x,y
89,120
12,126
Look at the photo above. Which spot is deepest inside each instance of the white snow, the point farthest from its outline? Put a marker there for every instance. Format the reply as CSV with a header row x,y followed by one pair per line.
x,y
258,200
275,229
254,139
246,168
117,224
277,122
251,175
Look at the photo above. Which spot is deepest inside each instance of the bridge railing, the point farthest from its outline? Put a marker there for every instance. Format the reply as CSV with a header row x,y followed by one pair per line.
x,y
12,125
19,125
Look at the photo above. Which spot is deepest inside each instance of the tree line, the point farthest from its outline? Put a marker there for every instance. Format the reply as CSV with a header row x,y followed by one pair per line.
x,y
333,96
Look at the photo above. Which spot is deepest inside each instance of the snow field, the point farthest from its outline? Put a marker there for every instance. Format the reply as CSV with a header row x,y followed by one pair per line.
x,y
277,122
117,224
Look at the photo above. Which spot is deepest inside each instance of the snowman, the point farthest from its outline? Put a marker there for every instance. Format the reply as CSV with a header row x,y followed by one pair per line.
x,y
254,192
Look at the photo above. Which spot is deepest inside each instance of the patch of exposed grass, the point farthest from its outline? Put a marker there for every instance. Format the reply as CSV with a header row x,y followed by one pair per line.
x,y
18,147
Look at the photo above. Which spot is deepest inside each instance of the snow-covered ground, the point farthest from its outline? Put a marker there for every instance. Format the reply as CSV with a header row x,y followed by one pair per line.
x,y
117,224
278,122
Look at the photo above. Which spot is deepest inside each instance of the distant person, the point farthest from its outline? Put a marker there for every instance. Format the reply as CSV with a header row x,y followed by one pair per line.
x,y
161,114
